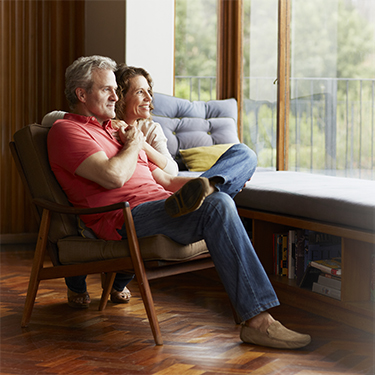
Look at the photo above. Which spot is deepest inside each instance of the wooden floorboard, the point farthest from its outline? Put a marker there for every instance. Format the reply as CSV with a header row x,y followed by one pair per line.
x,y
200,336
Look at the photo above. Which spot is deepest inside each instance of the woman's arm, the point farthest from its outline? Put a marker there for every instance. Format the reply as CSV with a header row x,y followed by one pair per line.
x,y
158,153
171,183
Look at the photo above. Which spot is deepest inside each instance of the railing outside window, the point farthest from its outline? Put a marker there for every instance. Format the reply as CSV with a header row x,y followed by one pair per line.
x,y
331,124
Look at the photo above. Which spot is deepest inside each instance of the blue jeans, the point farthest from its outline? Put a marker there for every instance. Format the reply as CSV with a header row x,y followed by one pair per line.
x,y
218,223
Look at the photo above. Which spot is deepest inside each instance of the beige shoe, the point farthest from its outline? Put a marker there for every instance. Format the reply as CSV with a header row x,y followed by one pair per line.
x,y
189,198
277,336
78,300
120,297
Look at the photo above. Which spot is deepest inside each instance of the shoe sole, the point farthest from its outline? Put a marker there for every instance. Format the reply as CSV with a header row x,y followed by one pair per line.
x,y
189,198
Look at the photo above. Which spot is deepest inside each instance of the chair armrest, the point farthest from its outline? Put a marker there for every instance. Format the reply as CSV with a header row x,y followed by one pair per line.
x,y
60,208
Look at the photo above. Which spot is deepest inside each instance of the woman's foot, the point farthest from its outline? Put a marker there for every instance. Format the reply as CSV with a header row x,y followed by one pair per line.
x,y
78,300
265,331
120,296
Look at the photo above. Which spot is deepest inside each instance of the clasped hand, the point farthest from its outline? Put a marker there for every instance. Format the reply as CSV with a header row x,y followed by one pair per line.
x,y
127,134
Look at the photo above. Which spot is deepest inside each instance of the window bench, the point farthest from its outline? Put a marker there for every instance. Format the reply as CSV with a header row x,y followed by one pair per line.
x,y
276,201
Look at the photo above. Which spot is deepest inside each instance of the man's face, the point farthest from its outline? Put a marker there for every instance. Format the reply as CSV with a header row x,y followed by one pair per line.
x,y
100,100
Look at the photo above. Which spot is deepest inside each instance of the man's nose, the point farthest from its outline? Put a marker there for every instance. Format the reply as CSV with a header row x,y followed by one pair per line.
x,y
114,95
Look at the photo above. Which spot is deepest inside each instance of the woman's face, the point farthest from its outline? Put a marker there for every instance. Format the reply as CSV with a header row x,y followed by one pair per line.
x,y
137,100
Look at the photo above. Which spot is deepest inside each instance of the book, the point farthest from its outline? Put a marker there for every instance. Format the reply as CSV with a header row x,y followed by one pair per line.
x,y
284,255
299,255
327,291
278,243
310,276
330,281
292,254
331,266
372,280
321,246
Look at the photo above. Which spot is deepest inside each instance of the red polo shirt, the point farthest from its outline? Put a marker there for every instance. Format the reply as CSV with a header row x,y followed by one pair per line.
x,y
75,138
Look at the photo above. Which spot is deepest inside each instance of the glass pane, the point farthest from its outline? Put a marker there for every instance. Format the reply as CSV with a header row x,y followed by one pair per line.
x,y
331,123
195,49
260,71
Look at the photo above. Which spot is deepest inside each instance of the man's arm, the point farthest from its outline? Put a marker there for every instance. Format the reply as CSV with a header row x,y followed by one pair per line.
x,y
114,172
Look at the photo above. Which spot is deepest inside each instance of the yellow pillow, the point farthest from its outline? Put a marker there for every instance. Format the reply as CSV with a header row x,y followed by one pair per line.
x,y
199,159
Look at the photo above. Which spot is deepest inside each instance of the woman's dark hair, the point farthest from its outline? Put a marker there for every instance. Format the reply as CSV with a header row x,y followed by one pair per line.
x,y
124,75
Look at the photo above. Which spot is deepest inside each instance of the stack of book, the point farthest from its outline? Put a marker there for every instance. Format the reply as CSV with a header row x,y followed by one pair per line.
x,y
294,250
329,279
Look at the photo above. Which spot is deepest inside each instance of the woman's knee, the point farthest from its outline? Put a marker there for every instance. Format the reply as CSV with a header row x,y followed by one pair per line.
x,y
247,153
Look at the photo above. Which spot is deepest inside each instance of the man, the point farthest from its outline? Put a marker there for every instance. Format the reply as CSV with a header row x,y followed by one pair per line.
x,y
95,169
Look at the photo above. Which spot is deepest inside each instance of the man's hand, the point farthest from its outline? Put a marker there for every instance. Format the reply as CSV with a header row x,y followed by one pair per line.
x,y
131,135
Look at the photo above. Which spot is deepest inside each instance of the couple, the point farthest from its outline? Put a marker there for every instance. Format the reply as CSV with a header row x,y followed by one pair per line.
x,y
96,167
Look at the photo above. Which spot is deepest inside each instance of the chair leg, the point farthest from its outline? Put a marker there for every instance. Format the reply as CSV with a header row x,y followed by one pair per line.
x,y
107,282
140,274
39,255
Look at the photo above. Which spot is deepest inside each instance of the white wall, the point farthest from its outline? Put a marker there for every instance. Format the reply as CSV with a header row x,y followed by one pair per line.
x,y
150,40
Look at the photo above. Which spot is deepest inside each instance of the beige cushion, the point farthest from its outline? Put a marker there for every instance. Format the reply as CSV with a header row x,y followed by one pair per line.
x,y
79,250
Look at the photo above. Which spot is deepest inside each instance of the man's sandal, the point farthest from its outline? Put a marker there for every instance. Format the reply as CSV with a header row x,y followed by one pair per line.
x,y
189,198
78,300
120,296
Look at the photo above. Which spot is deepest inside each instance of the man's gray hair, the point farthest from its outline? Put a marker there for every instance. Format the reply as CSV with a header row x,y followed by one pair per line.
x,y
79,74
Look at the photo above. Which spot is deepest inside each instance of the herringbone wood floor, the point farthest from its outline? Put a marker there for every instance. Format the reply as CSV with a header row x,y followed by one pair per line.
x,y
200,337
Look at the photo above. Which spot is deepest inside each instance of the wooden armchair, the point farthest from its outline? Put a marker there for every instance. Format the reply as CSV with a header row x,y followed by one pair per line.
x,y
72,254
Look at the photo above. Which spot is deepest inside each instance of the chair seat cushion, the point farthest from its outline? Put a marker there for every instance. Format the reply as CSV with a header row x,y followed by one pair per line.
x,y
76,249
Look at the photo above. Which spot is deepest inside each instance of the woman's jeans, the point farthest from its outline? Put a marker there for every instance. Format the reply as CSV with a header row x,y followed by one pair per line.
x,y
218,223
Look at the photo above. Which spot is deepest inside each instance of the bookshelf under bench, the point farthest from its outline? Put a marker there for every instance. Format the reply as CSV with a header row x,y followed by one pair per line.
x,y
357,246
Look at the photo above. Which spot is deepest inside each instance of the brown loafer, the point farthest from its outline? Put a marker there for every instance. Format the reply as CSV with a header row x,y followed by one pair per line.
x,y
189,198
78,300
120,296
277,336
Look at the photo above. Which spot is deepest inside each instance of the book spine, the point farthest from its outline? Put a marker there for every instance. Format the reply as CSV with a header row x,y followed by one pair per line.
x,y
327,291
329,281
372,282
284,271
291,255
300,255
326,269
279,253
274,253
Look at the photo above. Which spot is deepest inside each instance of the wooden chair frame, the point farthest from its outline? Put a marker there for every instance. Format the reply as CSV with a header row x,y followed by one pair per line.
x,y
134,263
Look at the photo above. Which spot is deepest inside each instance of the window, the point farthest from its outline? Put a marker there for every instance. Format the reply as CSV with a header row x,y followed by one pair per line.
x,y
331,88
329,121
195,49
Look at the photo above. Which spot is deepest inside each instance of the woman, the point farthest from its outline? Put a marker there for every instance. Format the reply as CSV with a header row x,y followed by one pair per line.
x,y
132,109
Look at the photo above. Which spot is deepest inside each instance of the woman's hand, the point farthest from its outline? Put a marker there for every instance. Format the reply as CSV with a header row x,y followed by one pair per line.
x,y
117,125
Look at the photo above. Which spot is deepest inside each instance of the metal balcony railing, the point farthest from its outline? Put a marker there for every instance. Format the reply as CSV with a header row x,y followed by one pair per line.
x,y
331,121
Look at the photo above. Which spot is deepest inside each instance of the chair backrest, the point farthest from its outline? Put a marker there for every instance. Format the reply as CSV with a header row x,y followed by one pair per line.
x,y
31,146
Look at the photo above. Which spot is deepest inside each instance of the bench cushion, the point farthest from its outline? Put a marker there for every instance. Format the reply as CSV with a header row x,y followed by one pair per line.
x,y
337,200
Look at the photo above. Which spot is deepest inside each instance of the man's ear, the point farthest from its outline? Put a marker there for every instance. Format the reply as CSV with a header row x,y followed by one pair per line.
x,y
81,94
